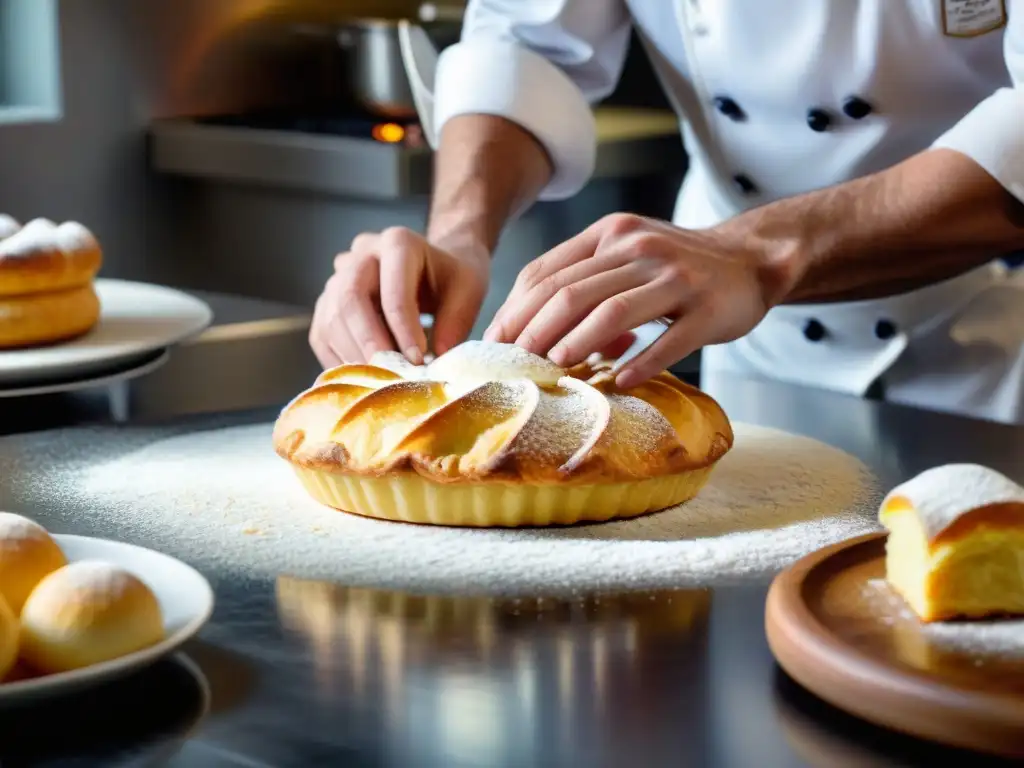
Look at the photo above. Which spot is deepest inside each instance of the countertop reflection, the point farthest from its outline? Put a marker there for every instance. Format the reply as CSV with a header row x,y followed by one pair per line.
x,y
458,677
144,719
308,673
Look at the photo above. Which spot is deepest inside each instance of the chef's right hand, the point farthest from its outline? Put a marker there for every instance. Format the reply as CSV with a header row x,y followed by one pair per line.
x,y
372,302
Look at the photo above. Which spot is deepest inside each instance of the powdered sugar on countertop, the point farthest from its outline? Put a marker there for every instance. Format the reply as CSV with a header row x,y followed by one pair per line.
x,y
200,496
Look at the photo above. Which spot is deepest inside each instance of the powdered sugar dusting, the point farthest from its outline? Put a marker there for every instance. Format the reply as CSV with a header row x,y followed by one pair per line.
x,y
977,638
772,499
8,226
561,424
40,235
72,236
16,529
89,577
570,418
943,494
883,601
637,426
488,361
995,637
396,362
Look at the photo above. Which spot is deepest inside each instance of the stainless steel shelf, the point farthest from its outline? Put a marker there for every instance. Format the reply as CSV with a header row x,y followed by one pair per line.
x,y
632,143
290,160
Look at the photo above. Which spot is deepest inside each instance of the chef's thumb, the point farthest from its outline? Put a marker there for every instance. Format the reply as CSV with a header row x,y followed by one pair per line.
x,y
455,316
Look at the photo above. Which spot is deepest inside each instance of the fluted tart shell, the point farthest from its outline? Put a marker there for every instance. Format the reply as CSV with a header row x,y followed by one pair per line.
x,y
489,435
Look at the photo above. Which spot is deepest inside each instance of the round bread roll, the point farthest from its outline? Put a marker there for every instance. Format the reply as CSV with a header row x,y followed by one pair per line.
x,y
27,555
47,318
86,613
8,639
43,257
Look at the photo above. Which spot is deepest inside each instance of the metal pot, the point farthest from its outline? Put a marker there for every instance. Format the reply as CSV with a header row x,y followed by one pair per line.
x,y
377,73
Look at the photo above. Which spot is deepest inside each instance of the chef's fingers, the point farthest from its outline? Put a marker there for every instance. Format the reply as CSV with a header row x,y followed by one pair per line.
x,y
520,308
402,260
327,324
458,306
332,322
340,342
613,317
357,302
320,343
563,311
537,272
680,339
364,244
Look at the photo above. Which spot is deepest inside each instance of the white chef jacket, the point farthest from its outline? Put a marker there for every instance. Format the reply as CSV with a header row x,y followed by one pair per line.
x,y
776,98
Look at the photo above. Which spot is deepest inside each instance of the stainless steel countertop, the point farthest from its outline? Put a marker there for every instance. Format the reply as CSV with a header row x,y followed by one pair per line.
x,y
329,675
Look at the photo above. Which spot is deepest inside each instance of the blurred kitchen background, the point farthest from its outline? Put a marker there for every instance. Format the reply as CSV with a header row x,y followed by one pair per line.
x,y
237,145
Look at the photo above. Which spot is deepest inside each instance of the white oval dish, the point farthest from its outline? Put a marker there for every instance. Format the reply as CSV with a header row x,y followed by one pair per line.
x,y
135,318
186,601
132,369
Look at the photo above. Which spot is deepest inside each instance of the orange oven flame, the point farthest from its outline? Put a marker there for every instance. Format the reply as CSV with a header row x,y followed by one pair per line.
x,y
389,133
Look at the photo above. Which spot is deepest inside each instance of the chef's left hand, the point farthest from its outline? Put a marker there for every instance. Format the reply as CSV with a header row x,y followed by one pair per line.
x,y
626,270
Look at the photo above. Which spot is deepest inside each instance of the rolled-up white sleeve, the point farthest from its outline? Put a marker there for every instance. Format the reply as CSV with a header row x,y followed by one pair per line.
x,y
539,64
992,134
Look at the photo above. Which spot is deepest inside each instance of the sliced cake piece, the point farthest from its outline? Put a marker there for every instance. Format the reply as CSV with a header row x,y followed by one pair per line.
x,y
956,543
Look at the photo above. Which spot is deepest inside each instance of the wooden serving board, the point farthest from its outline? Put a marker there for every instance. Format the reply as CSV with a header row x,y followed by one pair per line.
x,y
835,628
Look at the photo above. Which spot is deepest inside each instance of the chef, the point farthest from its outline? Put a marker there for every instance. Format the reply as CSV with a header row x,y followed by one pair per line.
x,y
857,174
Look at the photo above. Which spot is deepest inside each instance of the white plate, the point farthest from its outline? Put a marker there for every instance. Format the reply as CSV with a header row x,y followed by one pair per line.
x,y
186,600
136,367
135,318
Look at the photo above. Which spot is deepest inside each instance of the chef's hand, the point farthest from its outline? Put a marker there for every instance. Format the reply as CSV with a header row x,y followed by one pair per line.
x,y
380,286
625,271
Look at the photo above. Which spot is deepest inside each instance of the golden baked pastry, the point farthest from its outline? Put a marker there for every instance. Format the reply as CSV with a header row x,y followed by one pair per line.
x,y
46,318
46,282
86,613
27,555
956,543
8,639
491,435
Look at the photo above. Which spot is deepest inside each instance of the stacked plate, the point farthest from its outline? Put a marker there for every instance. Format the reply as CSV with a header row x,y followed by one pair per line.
x,y
138,325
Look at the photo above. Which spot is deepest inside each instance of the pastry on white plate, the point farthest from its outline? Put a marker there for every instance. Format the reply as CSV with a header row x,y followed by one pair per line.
x,y
27,554
47,271
956,543
8,639
86,613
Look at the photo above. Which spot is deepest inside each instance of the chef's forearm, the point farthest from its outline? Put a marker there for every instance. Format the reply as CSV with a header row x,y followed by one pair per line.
x,y
934,216
487,170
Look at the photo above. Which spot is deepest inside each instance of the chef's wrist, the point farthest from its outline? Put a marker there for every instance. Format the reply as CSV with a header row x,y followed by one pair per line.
x,y
465,242
779,255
